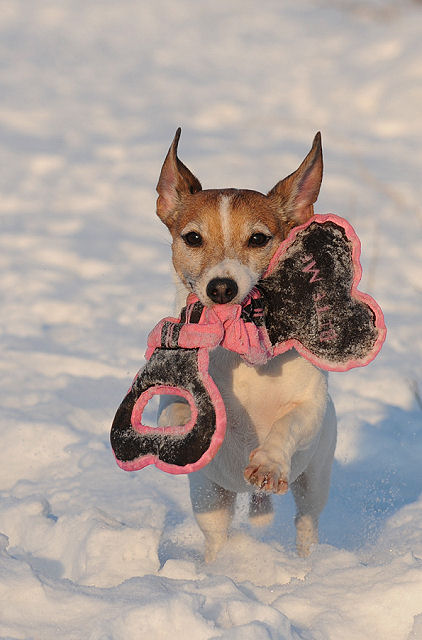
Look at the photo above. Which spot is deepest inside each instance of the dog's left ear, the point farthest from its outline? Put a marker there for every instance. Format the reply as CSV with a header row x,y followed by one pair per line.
x,y
294,196
175,182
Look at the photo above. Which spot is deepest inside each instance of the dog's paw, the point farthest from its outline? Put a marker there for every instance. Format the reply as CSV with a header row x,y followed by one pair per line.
x,y
265,473
177,413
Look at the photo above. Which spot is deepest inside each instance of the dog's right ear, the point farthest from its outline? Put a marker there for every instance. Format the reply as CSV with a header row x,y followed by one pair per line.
x,y
175,182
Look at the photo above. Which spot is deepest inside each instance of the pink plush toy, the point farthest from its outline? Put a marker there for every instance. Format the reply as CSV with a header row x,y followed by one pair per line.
x,y
307,300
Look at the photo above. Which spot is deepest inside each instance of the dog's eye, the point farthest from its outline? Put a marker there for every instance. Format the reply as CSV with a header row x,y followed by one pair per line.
x,y
258,240
193,239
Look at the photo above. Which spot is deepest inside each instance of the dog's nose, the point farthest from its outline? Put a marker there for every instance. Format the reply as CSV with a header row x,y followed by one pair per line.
x,y
222,290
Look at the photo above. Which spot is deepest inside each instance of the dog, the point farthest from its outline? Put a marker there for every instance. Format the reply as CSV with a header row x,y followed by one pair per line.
x,y
281,423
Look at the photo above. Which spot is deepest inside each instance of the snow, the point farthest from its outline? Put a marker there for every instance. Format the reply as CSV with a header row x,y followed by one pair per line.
x,y
91,95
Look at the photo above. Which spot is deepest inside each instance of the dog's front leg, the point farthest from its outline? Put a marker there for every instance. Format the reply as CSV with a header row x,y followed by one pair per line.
x,y
296,431
299,449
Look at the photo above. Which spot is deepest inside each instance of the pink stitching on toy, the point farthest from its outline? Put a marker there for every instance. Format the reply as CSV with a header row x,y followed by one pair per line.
x,y
310,269
326,330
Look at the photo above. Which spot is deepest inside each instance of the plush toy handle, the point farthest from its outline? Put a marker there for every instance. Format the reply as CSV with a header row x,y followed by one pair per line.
x,y
178,448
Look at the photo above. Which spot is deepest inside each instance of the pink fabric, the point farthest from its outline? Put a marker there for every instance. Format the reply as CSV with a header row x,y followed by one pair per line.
x,y
219,325
244,338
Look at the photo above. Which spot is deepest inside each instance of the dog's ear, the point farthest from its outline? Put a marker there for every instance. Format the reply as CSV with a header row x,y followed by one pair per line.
x,y
175,182
294,196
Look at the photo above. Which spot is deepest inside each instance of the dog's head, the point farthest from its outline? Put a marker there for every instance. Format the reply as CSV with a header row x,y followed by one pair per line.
x,y
224,239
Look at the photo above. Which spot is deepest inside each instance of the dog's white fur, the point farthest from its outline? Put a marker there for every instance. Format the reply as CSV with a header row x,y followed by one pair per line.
x,y
281,424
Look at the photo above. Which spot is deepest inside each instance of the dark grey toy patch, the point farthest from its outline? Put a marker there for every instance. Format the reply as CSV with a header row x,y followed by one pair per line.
x,y
308,297
173,368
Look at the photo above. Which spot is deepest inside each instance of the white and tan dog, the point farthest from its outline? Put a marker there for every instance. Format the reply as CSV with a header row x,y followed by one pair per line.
x,y
281,424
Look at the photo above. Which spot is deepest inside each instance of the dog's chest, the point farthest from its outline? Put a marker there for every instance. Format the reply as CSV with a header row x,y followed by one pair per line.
x,y
255,397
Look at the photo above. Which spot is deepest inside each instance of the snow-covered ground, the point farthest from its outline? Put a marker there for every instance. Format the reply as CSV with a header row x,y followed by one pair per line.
x,y
90,96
